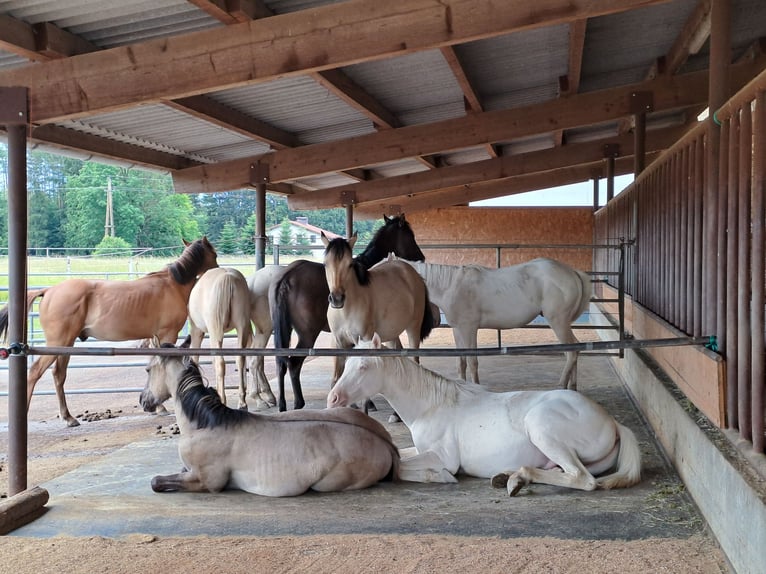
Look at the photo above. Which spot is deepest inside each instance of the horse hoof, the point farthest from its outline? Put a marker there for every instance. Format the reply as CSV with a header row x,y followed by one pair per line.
x,y
394,418
515,482
72,422
499,480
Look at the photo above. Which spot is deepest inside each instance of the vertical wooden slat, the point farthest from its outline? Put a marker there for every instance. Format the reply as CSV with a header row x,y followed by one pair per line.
x,y
682,293
758,374
722,201
698,234
732,285
743,273
689,236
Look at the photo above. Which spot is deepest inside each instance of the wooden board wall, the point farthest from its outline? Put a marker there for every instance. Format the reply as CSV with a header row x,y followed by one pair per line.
x,y
498,225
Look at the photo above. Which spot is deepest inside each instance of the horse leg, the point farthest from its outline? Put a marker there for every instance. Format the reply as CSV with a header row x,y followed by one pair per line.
x,y
219,364
295,365
467,338
565,334
59,377
281,371
261,390
423,467
35,372
196,335
571,472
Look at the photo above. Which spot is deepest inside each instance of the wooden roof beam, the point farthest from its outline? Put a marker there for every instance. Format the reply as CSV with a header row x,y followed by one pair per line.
x,y
307,41
570,84
233,11
505,167
486,190
673,92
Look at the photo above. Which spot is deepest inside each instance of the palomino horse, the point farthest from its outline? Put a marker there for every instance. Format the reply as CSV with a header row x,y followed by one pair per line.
x,y
153,305
298,298
260,314
558,437
220,302
283,454
388,299
474,297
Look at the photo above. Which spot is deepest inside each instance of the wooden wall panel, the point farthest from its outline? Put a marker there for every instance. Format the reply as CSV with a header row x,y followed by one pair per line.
x,y
499,225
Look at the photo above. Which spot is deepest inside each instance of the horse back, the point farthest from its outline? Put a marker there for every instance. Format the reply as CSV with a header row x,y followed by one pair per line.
x,y
298,300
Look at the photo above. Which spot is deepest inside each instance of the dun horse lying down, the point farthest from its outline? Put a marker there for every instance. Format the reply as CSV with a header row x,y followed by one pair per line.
x,y
558,437
282,454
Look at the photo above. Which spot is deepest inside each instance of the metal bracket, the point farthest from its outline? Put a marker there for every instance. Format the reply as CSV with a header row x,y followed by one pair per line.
x,y
641,102
14,106
347,197
259,173
611,150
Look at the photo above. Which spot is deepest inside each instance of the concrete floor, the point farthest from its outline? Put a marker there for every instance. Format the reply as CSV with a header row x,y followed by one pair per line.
x,y
112,497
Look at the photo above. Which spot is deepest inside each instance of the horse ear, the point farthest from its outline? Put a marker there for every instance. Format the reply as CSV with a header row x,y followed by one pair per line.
x,y
401,219
387,219
376,343
352,240
186,243
187,343
325,240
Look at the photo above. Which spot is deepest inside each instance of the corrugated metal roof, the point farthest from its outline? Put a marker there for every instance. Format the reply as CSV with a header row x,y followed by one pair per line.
x,y
518,69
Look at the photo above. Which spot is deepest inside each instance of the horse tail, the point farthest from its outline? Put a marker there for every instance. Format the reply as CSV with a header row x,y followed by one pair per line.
x,y
220,317
280,313
428,318
628,470
31,296
586,291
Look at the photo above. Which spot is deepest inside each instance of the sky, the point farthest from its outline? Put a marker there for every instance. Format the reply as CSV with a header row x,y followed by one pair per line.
x,y
578,194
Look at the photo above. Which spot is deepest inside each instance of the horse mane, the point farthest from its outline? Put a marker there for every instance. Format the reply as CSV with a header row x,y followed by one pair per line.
x,y
186,268
376,251
338,248
431,386
202,404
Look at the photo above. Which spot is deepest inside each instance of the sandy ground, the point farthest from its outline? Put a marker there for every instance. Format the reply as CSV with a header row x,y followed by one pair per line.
x,y
55,449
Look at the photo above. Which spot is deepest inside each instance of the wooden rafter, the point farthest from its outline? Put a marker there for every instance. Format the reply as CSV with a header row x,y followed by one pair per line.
x,y
260,50
570,84
233,11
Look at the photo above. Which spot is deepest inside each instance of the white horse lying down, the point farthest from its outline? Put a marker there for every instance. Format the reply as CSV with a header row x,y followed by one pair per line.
x,y
557,437
283,454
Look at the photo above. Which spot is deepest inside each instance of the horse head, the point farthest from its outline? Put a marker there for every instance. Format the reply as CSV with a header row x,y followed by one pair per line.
x,y
361,378
338,264
397,236
163,375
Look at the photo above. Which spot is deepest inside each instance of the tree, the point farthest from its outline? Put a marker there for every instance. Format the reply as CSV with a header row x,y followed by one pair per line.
x,y
285,236
227,243
113,247
302,239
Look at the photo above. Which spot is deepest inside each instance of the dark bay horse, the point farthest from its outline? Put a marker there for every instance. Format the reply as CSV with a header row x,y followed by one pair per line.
x,y
284,454
153,305
299,298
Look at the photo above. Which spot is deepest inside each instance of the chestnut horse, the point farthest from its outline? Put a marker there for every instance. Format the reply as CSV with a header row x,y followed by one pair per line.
x,y
153,305
298,298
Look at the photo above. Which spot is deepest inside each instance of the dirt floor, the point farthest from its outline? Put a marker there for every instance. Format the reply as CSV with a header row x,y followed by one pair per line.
x,y
55,449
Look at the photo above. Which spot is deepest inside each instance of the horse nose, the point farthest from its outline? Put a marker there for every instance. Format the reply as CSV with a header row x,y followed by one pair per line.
x,y
337,300
334,400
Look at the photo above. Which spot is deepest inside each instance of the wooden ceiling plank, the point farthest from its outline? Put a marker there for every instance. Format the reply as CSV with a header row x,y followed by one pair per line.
x,y
338,83
301,42
212,111
18,38
570,84
54,42
103,147
472,173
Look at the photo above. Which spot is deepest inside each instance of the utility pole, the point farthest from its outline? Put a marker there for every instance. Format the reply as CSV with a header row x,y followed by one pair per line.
x,y
109,225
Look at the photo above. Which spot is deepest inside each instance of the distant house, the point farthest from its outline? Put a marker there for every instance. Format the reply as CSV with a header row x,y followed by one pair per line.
x,y
301,225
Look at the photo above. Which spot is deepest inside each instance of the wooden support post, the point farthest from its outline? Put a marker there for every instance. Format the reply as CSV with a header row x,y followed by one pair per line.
x,y
259,177
14,114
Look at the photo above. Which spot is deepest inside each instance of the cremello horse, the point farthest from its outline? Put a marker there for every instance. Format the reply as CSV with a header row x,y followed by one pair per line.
x,y
558,437
220,302
388,299
260,314
284,454
153,305
474,297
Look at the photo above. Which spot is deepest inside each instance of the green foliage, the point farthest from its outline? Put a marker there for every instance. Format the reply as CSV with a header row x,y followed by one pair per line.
x,y
302,239
112,247
228,241
285,236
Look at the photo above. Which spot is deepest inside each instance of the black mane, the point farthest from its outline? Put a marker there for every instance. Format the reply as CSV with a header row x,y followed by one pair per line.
x,y
202,404
379,247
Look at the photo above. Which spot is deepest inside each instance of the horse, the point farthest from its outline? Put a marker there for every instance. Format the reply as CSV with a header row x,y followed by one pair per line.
x,y
474,297
152,305
388,299
283,454
299,297
558,437
220,302
258,284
